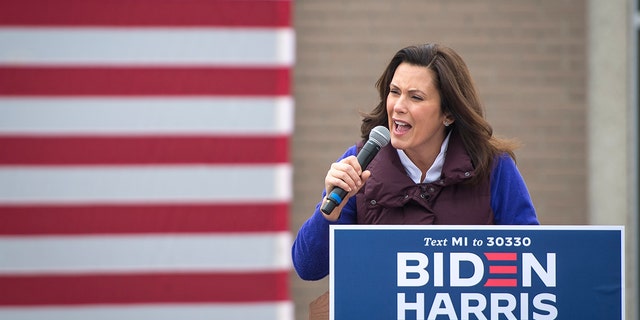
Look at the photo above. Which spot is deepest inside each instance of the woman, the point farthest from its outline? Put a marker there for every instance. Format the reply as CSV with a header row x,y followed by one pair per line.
x,y
443,165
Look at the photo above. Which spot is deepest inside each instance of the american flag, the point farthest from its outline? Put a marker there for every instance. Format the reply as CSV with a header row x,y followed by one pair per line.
x,y
144,159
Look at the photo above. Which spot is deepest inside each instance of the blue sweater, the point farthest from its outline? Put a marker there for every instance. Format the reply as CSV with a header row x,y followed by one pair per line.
x,y
510,202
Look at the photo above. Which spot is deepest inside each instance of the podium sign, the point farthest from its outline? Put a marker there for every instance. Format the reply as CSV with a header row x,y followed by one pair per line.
x,y
476,272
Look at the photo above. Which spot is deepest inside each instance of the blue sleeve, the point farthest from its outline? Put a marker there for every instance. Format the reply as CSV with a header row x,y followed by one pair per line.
x,y
510,199
310,251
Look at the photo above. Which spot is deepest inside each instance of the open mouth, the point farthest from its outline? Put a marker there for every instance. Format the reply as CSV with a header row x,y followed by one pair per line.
x,y
400,126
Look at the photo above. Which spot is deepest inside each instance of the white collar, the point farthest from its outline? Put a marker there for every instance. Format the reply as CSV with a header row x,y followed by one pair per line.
x,y
434,172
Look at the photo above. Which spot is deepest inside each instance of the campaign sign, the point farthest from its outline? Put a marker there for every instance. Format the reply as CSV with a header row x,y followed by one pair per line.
x,y
458,272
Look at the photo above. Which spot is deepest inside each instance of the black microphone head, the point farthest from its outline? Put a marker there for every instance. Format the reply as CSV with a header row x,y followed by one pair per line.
x,y
380,135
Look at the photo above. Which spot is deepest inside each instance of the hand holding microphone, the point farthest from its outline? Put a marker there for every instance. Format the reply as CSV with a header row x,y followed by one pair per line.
x,y
348,173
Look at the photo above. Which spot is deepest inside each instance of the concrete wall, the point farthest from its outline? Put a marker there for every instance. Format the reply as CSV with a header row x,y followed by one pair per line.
x,y
613,128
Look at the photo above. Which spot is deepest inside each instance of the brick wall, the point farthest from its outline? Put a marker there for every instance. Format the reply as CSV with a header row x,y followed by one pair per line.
x,y
528,59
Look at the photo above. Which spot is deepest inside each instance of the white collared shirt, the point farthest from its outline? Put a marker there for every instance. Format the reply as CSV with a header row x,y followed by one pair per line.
x,y
433,173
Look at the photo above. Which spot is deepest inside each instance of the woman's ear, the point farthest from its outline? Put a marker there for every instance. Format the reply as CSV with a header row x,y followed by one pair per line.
x,y
448,120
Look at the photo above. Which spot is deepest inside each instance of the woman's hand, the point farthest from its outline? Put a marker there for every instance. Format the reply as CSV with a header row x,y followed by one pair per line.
x,y
348,175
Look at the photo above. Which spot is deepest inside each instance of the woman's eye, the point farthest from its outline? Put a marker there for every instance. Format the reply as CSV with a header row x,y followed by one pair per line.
x,y
419,98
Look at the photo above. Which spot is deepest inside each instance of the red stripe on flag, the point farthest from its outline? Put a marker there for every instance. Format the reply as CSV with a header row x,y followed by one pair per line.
x,y
503,269
246,13
501,283
501,256
142,81
118,219
143,288
43,150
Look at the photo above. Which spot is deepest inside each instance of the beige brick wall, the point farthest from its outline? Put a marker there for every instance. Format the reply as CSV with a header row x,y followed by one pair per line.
x,y
528,59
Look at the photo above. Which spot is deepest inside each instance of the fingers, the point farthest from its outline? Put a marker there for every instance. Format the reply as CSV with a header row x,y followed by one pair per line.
x,y
365,176
348,175
345,174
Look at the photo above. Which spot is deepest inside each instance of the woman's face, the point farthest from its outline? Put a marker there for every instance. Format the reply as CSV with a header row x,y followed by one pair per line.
x,y
416,121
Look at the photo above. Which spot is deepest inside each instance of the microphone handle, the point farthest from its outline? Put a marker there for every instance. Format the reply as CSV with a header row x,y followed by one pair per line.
x,y
366,154
333,200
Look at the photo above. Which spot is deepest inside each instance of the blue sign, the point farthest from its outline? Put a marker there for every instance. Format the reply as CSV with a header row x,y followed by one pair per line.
x,y
476,272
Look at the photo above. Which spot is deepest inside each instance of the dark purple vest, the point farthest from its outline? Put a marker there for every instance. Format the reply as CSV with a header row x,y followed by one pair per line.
x,y
391,197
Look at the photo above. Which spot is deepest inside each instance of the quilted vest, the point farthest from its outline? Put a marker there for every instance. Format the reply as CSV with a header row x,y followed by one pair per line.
x,y
391,197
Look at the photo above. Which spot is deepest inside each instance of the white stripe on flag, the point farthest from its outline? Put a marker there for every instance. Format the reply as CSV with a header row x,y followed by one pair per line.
x,y
145,253
147,46
165,311
145,183
166,115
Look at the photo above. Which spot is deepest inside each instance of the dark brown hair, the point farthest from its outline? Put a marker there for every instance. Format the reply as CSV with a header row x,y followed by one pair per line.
x,y
459,99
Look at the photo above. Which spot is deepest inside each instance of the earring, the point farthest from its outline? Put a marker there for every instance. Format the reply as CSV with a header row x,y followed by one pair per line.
x,y
446,123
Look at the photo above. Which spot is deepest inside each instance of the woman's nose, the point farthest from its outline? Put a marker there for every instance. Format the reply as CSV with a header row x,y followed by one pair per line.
x,y
399,105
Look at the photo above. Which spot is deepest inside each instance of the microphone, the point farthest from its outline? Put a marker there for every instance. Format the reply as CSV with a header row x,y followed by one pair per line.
x,y
378,138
